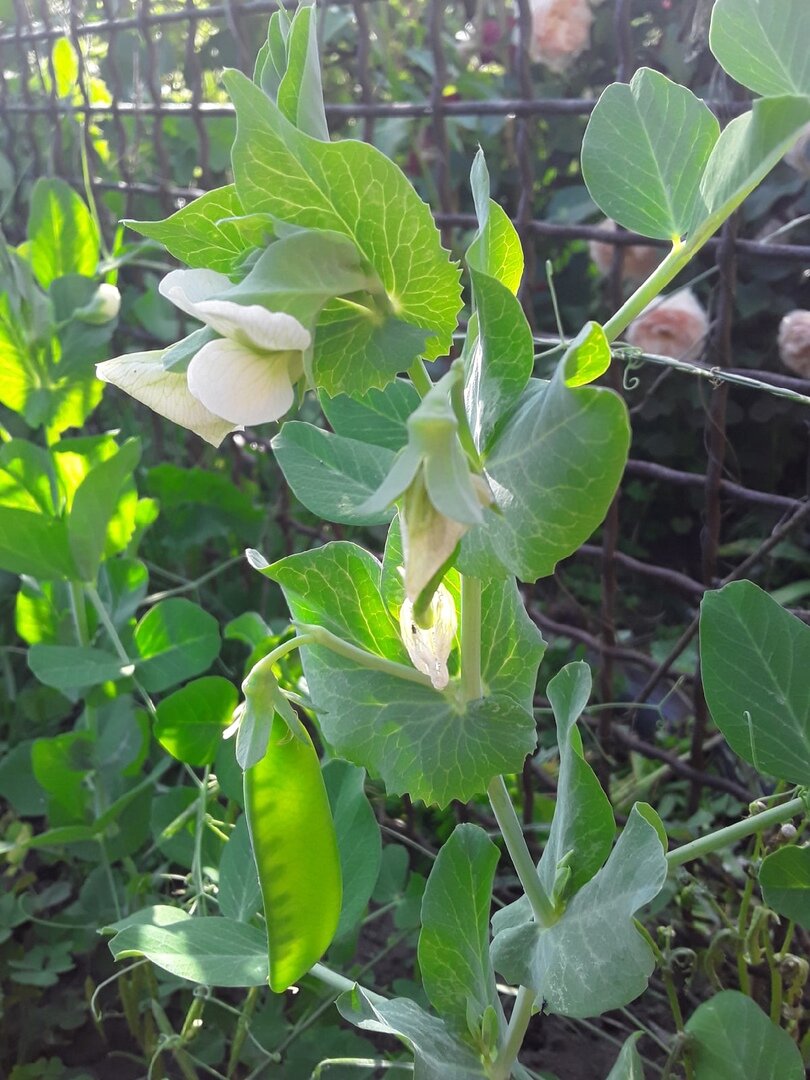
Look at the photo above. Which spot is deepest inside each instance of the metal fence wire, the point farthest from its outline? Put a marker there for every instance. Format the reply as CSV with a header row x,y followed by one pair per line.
x,y
125,94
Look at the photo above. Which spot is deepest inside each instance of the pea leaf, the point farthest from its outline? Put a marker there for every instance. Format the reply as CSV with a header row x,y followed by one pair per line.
x,y
62,236
417,739
628,1064
190,722
748,148
785,880
358,839
351,188
763,44
332,476
94,506
454,940
583,828
65,66
175,640
496,249
212,232
731,1038
72,667
593,959
500,348
379,417
553,469
755,661
209,950
644,152
300,95
240,896
36,544
438,1055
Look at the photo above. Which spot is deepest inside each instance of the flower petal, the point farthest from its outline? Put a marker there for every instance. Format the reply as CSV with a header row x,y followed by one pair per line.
x,y
143,377
429,649
244,386
255,326
187,288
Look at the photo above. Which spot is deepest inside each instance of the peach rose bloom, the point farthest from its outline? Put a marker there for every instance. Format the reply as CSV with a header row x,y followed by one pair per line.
x,y
561,30
674,325
639,259
794,342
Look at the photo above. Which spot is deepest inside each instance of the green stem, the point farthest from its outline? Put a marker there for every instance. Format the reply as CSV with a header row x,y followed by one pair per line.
x,y
199,829
471,684
339,982
419,377
319,635
714,841
504,810
277,654
515,1033
78,613
104,618
242,1026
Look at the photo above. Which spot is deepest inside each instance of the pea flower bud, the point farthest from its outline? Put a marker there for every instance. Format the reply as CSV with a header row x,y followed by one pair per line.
x,y
440,498
102,308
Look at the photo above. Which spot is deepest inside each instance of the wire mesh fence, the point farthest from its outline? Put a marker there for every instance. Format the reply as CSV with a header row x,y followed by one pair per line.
x,y
122,97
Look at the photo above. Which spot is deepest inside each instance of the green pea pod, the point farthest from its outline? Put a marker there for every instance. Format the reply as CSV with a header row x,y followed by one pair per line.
x,y
295,849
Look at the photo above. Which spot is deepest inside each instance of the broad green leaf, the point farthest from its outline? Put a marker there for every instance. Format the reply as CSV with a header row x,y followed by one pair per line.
x,y
175,640
65,66
212,232
300,95
20,369
62,236
42,613
496,249
593,958
358,839
332,476
157,915
299,273
784,877
210,950
190,722
500,357
763,44
429,743
583,828
26,477
644,152
731,1038
454,941
378,417
239,894
60,765
438,1055
94,506
553,470
351,188
748,148
755,662
72,667
628,1064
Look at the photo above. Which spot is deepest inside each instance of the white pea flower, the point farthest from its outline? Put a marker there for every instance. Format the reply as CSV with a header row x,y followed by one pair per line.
x,y
245,376
429,648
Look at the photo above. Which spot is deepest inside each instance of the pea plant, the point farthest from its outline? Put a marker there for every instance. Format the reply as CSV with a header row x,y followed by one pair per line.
x,y
319,271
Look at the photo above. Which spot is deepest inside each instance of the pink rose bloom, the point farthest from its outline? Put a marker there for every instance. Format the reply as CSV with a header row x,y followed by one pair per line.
x,y
674,326
561,30
794,342
639,259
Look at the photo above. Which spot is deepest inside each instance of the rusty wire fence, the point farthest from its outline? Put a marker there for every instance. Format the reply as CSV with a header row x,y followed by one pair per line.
x,y
145,121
